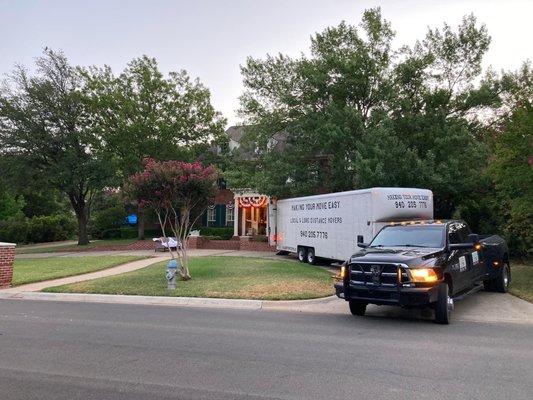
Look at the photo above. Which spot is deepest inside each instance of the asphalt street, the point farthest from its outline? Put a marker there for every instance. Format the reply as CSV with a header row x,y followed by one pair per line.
x,y
62,350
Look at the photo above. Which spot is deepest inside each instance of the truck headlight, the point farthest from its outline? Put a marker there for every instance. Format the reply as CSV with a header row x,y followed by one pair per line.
x,y
342,274
423,275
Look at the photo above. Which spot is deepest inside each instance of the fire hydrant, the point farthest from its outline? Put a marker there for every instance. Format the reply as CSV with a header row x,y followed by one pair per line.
x,y
172,268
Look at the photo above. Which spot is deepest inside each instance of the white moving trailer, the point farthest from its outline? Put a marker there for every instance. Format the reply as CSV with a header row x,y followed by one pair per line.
x,y
330,225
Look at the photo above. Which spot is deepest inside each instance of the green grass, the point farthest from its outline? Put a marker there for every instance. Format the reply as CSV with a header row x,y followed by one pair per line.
x,y
219,277
73,247
28,270
522,281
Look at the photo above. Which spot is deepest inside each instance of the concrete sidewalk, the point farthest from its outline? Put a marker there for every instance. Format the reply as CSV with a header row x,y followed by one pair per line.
x,y
482,307
151,253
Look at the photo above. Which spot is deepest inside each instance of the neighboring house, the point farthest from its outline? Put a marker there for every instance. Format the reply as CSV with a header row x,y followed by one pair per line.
x,y
243,209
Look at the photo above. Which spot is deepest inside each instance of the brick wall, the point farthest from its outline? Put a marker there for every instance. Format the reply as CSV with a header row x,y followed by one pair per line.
x,y
7,256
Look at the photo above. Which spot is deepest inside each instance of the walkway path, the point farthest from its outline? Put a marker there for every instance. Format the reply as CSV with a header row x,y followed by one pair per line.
x,y
120,269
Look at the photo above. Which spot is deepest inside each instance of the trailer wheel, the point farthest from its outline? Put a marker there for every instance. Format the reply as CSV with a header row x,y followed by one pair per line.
x,y
311,259
302,254
357,307
443,305
501,283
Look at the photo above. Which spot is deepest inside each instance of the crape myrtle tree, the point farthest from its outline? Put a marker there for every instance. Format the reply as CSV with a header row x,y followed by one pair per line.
x,y
141,113
178,192
45,132
357,113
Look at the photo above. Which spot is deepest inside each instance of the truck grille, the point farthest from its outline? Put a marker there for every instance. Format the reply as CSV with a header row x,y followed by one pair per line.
x,y
376,274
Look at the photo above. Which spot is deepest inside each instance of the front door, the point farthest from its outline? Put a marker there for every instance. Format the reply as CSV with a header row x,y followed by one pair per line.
x,y
460,259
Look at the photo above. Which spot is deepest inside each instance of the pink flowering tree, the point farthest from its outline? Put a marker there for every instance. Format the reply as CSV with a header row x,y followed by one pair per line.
x,y
178,192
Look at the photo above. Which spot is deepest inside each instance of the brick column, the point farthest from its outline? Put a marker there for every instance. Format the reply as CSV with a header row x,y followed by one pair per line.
x,y
195,242
7,256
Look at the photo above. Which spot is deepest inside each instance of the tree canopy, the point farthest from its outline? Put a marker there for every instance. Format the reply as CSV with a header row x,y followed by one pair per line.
x,y
45,130
357,113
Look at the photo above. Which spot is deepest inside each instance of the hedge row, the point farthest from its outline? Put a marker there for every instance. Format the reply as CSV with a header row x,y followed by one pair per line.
x,y
225,233
127,233
41,229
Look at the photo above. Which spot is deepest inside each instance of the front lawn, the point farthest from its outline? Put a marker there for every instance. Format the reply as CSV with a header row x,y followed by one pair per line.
x,y
522,281
95,245
219,277
28,270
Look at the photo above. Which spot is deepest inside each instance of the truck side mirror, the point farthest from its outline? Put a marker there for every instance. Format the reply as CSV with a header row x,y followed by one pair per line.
x,y
360,239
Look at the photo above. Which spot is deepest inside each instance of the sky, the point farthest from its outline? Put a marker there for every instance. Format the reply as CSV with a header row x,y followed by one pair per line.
x,y
211,39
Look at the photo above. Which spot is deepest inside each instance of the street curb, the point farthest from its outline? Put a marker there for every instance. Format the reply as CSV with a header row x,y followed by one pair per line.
x,y
240,304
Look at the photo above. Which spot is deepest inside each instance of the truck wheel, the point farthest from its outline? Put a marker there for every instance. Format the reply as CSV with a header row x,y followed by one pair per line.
x,y
311,259
302,254
357,307
443,305
501,283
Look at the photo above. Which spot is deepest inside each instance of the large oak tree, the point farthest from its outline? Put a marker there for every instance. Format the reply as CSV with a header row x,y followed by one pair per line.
x,y
45,130
141,113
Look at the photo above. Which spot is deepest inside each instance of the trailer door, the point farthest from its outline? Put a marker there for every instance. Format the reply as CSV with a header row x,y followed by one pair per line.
x,y
272,224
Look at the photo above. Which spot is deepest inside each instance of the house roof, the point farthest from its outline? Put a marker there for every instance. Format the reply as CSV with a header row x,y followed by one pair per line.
x,y
236,132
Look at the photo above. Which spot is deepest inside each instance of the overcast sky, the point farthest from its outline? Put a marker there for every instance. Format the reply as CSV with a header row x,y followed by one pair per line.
x,y
211,38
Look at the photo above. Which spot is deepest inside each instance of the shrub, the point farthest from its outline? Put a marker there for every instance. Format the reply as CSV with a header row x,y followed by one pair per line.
x,y
40,229
225,233
108,234
259,238
129,233
106,222
14,230
152,233
50,228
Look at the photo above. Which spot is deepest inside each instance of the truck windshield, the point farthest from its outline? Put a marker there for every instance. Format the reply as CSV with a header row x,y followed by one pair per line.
x,y
410,236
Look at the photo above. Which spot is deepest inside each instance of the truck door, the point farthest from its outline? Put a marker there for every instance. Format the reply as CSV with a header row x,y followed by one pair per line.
x,y
460,260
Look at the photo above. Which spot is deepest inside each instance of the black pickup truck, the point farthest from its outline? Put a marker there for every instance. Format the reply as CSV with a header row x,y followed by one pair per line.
x,y
424,264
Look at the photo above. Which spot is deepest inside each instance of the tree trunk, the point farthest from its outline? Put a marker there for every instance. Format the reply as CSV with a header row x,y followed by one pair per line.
x,y
82,210
141,218
83,237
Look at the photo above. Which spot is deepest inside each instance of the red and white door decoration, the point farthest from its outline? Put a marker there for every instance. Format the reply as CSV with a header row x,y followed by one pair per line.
x,y
252,201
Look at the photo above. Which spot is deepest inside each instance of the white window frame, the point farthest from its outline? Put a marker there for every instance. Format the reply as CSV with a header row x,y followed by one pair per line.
x,y
211,215
228,212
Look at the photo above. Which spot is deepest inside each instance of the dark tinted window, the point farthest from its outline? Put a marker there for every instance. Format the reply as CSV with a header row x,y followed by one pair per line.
x,y
458,232
415,235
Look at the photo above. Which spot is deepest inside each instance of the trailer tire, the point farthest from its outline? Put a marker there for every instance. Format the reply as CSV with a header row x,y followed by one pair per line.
x,y
357,307
501,282
302,254
442,308
311,259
